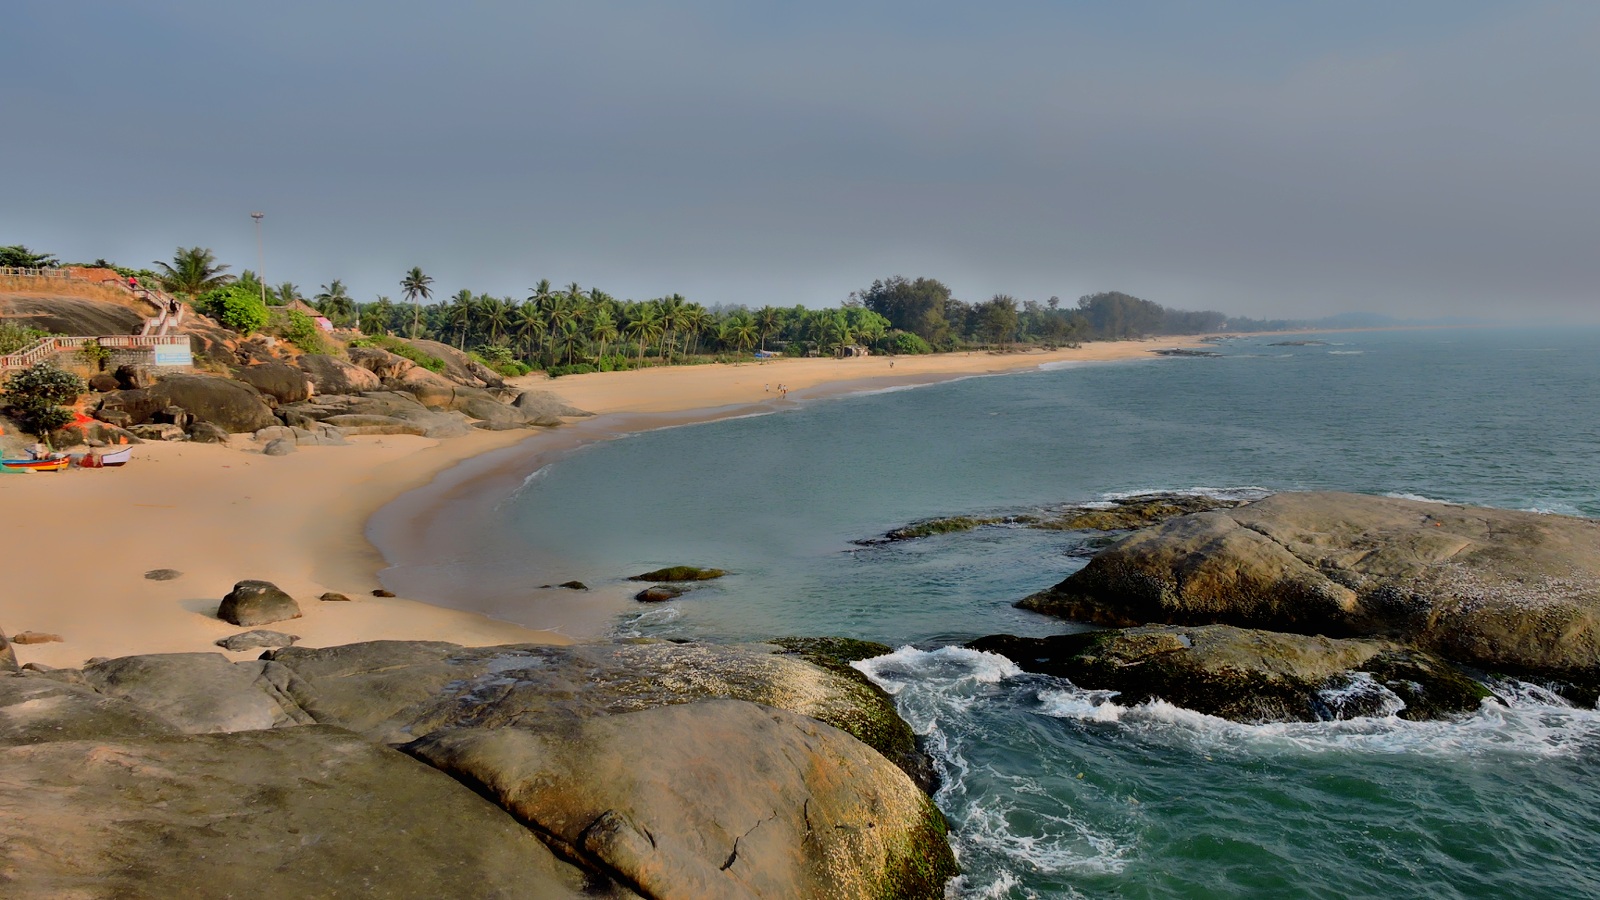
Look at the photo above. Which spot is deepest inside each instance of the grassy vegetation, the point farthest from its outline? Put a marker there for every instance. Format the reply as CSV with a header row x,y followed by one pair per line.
x,y
401,348
18,337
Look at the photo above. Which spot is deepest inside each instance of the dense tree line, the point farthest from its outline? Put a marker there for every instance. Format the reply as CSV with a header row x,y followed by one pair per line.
x,y
575,328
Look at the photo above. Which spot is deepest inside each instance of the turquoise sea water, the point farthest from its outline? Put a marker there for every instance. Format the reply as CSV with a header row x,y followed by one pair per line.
x,y
1054,791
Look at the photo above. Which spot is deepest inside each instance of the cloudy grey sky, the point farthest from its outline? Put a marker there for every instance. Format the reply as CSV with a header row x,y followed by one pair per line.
x,y
1262,158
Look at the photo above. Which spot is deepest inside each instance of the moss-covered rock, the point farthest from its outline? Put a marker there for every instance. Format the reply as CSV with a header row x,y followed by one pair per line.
x,y
679,573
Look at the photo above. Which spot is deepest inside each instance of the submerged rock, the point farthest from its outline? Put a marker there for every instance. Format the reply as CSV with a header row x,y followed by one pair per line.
x,y
660,593
1501,590
679,573
1248,675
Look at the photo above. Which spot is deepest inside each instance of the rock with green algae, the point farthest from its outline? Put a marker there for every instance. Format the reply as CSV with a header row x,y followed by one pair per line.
x,y
679,573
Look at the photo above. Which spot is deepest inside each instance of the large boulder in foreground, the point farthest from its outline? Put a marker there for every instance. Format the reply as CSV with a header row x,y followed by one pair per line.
x,y
36,709
1504,590
8,656
393,691
253,602
199,693
295,812
1250,676
720,798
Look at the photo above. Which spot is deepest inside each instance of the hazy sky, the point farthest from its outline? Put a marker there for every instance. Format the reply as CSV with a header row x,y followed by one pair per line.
x,y
1261,158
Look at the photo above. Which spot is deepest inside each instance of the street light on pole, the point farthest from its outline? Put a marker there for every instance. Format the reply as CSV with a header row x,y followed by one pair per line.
x,y
261,256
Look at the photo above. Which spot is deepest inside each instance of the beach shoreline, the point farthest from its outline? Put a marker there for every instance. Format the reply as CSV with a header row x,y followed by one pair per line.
x,y
314,521
414,533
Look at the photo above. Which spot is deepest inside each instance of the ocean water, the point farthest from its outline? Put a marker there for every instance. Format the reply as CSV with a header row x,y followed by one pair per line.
x,y
1054,791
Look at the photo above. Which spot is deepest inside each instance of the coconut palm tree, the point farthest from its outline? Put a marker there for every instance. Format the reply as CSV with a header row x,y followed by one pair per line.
x,y
377,317
767,321
193,271
334,301
744,332
528,323
288,292
671,313
495,315
560,312
602,330
415,284
643,327
459,315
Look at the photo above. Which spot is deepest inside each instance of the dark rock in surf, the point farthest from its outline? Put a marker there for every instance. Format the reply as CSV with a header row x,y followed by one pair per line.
x,y
1250,676
679,573
1502,590
660,593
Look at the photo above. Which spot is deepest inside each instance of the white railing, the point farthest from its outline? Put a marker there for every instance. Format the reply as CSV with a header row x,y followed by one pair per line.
x,y
50,346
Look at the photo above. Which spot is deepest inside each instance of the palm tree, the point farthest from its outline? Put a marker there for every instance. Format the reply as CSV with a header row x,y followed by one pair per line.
x,y
527,323
695,320
672,309
288,292
742,331
193,271
767,321
602,330
334,301
495,315
459,315
644,326
415,285
559,312
376,318
540,293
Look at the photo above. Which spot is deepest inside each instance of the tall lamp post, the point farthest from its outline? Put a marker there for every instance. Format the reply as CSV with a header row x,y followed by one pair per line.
x,y
261,256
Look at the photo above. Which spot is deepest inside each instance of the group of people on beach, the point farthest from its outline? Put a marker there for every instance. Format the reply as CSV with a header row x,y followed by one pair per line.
x,y
783,389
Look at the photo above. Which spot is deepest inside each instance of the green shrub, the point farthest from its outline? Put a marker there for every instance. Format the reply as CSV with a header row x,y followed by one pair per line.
x,y
18,337
574,369
400,348
235,306
907,344
95,355
500,360
302,331
37,393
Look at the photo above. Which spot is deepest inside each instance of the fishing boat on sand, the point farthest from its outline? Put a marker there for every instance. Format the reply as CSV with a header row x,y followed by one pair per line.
x,y
34,465
107,460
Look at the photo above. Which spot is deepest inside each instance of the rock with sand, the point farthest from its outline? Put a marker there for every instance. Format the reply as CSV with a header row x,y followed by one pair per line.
x,y
254,602
257,640
199,693
36,709
279,447
298,812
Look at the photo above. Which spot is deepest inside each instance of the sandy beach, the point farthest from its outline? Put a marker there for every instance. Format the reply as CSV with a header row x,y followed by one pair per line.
x,y
78,543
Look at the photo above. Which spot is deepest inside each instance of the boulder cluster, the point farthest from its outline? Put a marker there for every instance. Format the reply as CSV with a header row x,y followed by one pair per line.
x,y
1285,608
414,769
317,399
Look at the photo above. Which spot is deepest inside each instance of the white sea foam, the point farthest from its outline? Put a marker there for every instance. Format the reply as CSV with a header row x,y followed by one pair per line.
x,y
1246,492
1532,723
652,619
1402,495
1346,352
